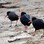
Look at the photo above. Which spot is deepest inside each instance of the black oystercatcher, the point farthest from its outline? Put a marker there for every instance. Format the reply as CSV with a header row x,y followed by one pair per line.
x,y
25,20
37,23
12,17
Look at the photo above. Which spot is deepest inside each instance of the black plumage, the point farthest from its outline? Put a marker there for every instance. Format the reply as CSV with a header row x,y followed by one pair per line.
x,y
25,18
12,16
37,23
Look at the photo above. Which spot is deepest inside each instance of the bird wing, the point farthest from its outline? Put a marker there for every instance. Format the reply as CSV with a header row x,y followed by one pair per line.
x,y
28,16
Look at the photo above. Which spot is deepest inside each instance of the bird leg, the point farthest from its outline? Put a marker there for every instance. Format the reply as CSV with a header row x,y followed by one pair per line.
x,y
16,23
43,33
25,29
34,33
11,24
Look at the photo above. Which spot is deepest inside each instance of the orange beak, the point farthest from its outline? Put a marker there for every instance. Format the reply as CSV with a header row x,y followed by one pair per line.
x,y
30,21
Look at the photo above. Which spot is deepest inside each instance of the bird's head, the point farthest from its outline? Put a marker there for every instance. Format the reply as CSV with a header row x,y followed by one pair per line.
x,y
22,13
34,18
8,12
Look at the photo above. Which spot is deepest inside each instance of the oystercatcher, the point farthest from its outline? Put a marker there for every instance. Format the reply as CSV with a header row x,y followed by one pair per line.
x,y
37,23
12,17
25,20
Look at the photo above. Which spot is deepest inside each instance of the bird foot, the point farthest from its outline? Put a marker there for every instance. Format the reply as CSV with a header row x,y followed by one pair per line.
x,y
33,33
42,36
25,31
10,26
16,25
12,36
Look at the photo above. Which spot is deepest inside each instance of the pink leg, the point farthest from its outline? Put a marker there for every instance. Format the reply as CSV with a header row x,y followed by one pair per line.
x,y
25,29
